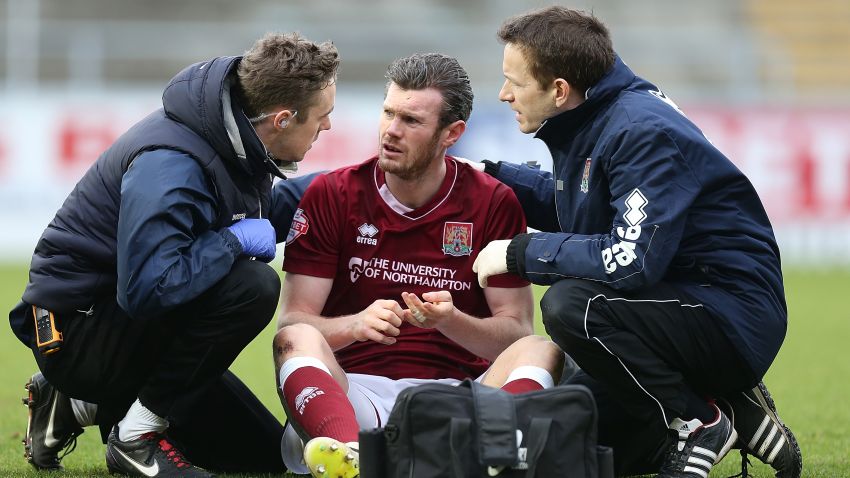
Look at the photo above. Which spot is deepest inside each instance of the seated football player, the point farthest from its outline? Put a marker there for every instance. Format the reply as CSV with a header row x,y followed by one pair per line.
x,y
379,293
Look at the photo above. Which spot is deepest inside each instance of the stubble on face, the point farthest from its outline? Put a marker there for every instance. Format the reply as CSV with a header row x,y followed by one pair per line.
x,y
415,162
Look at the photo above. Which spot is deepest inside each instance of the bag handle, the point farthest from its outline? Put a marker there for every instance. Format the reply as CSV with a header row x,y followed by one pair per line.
x,y
495,418
538,433
456,427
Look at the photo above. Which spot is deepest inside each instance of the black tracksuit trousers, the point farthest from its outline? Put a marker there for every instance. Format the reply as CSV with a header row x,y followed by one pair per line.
x,y
176,365
649,356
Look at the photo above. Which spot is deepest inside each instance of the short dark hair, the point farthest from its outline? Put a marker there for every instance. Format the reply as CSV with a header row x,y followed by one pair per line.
x,y
285,69
561,43
443,73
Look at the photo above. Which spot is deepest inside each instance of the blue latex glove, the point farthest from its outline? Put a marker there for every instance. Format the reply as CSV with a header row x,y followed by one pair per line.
x,y
256,236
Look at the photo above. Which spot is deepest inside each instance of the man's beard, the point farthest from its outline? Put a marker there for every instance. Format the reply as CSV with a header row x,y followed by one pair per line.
x,y
419,160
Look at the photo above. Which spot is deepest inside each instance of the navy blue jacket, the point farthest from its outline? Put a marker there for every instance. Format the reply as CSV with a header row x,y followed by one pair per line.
x,y
638,195
146,222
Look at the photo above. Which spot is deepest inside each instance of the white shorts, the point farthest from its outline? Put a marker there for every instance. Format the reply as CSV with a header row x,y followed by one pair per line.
x,y
372,397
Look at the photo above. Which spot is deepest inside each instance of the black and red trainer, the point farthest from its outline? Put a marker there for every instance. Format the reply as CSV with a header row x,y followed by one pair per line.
x,y
150,455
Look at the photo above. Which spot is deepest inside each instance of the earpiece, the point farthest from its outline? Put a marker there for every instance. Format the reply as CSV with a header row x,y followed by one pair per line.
x,y
285,121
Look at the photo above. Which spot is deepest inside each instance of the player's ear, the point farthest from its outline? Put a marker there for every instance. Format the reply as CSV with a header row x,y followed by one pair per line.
x,y
453,132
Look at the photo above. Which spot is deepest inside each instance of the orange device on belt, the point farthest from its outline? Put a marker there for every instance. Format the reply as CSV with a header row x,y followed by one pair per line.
x,y
47,337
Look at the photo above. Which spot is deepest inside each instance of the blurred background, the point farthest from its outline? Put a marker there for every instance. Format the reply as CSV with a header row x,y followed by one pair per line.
x,y
767,81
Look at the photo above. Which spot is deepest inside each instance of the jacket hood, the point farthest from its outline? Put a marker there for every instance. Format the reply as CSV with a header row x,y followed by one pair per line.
x,y
618,78
200,98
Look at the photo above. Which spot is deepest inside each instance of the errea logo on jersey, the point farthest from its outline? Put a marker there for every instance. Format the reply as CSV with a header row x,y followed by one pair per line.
x,y
367,234
623,253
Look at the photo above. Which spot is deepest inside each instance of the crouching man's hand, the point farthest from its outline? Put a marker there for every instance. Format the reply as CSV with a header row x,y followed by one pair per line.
x,y
491,261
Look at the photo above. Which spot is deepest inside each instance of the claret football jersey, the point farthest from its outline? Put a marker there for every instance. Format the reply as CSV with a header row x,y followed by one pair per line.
x,y
351,229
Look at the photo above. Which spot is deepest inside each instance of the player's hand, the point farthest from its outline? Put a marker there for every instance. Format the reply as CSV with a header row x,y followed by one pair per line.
x,y
475,164
491,261
379,322
430,313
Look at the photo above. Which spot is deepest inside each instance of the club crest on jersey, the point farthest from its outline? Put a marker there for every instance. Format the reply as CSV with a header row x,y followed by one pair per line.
x,y
585,178
299,226
457,238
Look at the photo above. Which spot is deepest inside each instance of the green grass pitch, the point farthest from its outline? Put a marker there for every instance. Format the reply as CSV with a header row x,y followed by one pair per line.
x,y
809,380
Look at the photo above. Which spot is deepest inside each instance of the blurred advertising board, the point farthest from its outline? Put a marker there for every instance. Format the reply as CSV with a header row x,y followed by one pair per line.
x,y
797,158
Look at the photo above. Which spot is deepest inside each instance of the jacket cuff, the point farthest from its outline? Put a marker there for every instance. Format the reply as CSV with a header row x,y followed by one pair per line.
x,y
516,254
231,241
491,168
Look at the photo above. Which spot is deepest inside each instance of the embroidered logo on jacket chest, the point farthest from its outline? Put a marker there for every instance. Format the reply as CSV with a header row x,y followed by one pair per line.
x,y
457,238
585,178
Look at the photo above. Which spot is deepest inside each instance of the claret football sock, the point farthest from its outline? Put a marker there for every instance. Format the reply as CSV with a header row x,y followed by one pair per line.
x,y
521,385
317,403
527,379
